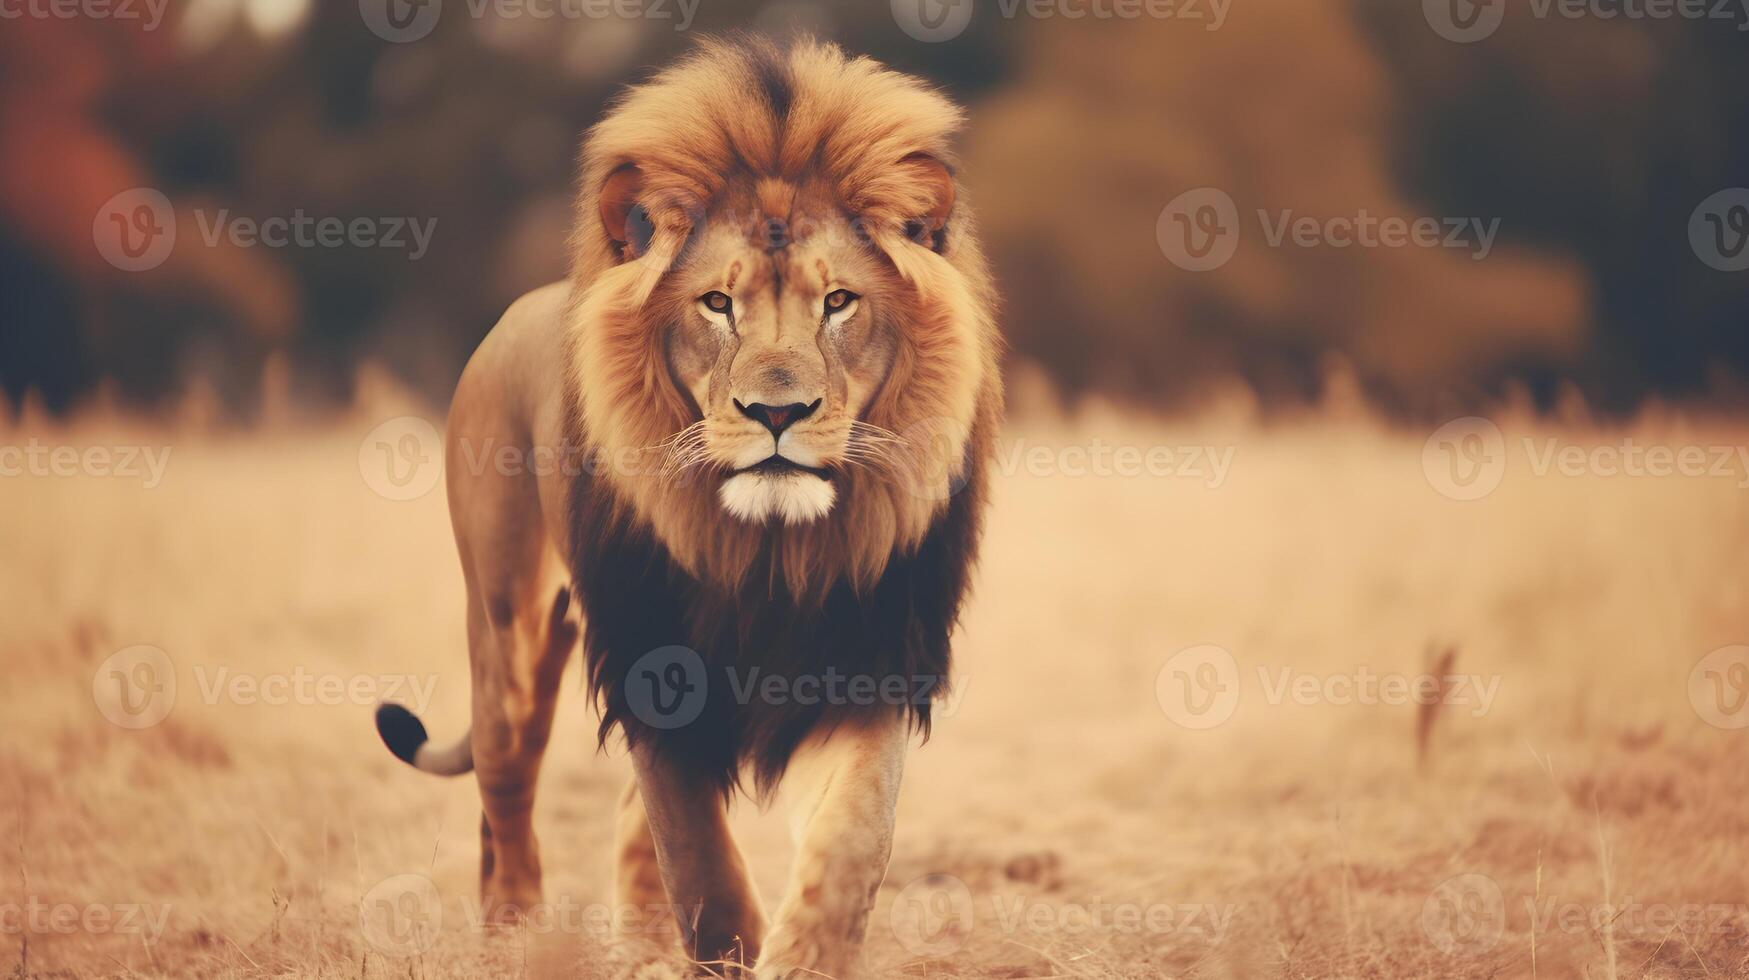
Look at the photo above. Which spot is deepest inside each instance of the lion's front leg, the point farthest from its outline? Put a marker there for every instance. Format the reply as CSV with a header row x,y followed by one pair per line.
x,y
847,784
703,874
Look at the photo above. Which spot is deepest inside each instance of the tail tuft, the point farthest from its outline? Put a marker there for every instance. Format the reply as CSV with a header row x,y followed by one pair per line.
x,y
402,731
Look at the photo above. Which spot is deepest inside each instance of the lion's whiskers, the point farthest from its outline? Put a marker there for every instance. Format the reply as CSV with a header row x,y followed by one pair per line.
x,y
683,450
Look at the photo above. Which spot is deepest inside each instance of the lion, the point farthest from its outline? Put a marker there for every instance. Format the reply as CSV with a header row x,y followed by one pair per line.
x,y
742,452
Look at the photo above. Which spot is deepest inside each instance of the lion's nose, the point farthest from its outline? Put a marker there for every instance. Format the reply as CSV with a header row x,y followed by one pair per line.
x,y
778,417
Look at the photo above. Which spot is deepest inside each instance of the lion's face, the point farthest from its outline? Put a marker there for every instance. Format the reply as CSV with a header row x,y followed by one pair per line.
x,y
782,331
781,312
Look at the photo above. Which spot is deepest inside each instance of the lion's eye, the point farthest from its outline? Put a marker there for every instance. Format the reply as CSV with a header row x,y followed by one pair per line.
x,y
838,300
718,303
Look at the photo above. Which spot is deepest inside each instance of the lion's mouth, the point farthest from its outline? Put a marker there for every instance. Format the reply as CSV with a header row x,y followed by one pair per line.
x,y
775,465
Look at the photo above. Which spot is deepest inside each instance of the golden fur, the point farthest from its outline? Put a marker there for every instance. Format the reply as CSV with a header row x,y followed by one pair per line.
x,y
693,525
850,128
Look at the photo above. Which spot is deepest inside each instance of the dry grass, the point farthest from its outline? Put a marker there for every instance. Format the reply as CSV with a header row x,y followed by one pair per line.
x,y
1309,831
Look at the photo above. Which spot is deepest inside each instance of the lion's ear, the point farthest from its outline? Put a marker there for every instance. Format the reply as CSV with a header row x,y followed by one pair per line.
x,y
625,220
930,228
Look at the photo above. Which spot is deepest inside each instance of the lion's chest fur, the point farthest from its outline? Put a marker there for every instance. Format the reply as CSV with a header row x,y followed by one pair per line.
x,y
760,669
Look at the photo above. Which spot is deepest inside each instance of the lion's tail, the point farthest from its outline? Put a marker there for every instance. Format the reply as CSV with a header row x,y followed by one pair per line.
x,y
404,734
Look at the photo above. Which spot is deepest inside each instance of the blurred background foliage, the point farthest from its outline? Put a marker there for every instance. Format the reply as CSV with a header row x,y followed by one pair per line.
x,y
1591,140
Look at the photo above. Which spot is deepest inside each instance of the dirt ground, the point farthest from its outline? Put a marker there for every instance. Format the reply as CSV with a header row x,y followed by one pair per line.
x,y
1186,740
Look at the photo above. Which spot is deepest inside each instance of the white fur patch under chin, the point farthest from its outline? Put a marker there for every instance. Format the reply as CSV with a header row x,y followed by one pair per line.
x,y
794,498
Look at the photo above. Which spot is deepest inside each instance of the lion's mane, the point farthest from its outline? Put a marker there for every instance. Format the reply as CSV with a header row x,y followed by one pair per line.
x,y
875,586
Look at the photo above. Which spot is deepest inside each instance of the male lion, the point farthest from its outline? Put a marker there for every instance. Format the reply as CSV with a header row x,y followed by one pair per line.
x,y
751,434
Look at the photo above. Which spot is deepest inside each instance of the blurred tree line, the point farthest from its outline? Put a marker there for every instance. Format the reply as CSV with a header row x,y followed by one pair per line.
x,y
1590,140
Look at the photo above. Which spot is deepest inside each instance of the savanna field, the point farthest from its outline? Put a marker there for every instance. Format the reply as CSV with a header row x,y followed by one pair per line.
x,y
1253,700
